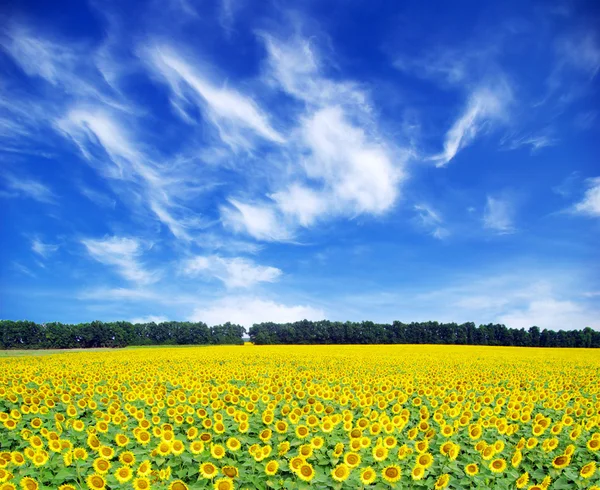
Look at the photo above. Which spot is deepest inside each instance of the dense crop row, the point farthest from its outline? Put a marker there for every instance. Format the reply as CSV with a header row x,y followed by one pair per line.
x,y
293,417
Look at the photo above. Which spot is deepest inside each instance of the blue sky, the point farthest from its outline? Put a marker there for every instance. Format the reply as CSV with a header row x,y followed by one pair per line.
x,y
253,161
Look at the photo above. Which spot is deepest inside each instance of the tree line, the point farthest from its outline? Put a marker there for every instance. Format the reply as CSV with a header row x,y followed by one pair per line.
x,y
327,332
31,335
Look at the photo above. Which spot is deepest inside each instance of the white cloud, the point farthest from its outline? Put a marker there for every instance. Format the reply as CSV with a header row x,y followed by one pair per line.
x,y
31,188
550,313
123,254
232,113
341,166
249,310
43,249
356,170
149,319
590,204
499,215
234,272
300,203
485,105
295,65
258,221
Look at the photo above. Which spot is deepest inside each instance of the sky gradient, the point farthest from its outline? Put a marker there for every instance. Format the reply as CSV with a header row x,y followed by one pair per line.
x,y
251,161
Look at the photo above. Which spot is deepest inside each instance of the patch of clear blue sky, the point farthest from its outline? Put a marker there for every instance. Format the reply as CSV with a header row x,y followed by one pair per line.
x,y
253,161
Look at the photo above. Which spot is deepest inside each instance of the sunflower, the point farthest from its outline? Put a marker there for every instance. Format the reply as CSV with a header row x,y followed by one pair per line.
x,y
498,465
223,484
208,470
124,474
295,463
425,460
340,472
230,471
40,458
522,480
283,448
106,452
546,482
196,447
561,461
306,450
67,487
178,485
368,475
588,470
306,472
352,459
380,453
302,431
593,445
391,473
29,483
217,451
95,482
17,459
145,468
442,481
422,446
453,453
471,469
101,466
164,448
141,483
271,467
121,440
233,444
127,458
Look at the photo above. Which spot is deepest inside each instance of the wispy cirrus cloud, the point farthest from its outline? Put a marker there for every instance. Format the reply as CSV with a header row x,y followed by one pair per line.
x,y
43,249
124,255
237,117
499,214
581,52
486,106
234,272
22,269
163,187
21,186
431,221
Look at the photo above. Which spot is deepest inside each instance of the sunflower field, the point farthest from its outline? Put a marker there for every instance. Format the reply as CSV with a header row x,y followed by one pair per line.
x,y
283,417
